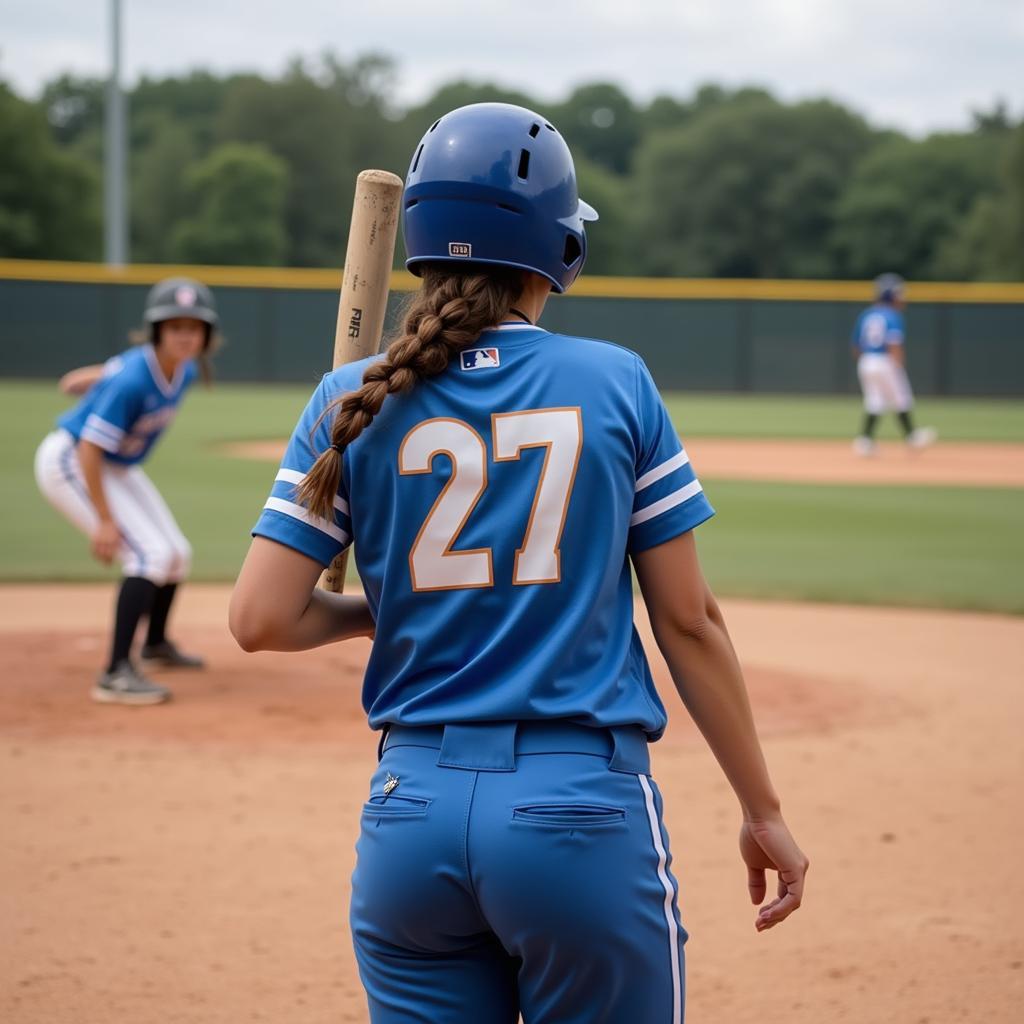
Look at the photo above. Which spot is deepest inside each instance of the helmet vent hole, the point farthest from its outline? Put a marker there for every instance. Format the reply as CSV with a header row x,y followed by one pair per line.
x,y
411,203
534,130
434,125
416,161
573,251
524,164
549,127
506,206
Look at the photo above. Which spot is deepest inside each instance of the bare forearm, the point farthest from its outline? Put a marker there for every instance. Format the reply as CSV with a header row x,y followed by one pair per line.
x,y
327,619
77,382
692,636
277,606
710,683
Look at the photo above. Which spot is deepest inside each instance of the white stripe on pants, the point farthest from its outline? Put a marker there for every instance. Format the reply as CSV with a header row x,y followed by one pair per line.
x,y
885,384
153,546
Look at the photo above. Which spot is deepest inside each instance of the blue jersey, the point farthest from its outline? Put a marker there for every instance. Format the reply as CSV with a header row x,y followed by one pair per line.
x,y
878,327
130,406
493,509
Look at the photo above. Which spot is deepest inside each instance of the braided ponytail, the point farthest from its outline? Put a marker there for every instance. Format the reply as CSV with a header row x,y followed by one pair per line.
x,y
445,316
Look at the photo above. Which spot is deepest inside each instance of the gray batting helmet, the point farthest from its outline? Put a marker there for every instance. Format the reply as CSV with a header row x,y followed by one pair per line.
x,y
180,296
889,287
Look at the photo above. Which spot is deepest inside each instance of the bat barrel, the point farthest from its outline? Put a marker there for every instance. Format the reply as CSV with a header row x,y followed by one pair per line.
x,y
367,275
363,303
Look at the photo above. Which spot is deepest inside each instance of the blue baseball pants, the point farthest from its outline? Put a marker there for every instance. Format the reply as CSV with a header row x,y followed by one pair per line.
x,y
508,869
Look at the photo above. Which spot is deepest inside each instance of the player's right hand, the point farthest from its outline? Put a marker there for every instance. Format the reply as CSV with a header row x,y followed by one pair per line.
x,y
768,845
105,541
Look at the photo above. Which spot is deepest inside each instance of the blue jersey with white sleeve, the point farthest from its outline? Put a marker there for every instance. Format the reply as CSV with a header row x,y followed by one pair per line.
x,y
493,509
130,406
878,327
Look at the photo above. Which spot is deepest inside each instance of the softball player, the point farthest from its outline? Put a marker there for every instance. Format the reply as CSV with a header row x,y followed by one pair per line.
x,y
498,480
90,470
881,367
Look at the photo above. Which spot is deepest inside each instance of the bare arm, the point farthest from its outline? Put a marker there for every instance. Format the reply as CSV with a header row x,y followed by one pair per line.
x,y
276,605
77,382
896,354
691,634
107,536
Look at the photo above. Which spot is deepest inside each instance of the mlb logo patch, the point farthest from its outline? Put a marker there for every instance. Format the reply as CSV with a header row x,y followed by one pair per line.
x,y
463,249
480,358
185,295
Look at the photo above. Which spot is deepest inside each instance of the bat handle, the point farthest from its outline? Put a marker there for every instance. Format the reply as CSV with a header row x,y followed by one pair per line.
x,y
333,578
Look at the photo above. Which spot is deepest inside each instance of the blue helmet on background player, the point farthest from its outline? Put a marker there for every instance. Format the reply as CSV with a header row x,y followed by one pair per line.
x,y
495,183
889,288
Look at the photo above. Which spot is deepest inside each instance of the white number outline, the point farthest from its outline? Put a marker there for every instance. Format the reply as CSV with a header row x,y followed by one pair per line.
x,y
428,467
543,478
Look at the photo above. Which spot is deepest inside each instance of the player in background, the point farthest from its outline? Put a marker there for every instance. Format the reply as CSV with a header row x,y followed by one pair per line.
x,y
497,480
90,470
878,346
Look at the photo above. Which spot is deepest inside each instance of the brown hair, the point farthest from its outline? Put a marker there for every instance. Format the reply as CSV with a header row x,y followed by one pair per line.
x,y
150,334
448,313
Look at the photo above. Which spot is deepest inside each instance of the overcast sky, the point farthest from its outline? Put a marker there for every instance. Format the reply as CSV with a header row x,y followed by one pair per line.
x,y
916,65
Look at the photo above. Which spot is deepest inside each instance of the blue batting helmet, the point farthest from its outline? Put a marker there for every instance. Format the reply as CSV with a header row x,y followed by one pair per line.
x,y
889,287
495,183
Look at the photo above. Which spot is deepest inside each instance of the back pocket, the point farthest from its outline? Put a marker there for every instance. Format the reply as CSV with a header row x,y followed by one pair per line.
x,y
569,815
395,806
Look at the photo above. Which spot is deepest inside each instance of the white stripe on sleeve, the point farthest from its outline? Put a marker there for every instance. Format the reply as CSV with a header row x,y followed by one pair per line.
x,y
669,466
669,501
289,508
100,440
101,426
670,917
293,476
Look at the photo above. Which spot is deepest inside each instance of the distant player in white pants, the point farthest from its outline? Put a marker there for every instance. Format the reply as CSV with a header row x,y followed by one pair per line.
x,y
90,470
878,345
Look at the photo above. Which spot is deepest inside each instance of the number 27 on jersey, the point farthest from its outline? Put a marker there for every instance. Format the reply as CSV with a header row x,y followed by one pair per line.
x,y
432,562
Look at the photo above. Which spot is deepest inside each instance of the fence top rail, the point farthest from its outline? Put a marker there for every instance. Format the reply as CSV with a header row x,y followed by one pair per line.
x,y
329,279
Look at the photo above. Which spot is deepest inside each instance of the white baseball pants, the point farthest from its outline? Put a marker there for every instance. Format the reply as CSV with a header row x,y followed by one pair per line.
x,y
885,384
153,545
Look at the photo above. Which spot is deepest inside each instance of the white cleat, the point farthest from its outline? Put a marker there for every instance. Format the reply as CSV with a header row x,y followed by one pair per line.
x,y
127,685
865,446
922,437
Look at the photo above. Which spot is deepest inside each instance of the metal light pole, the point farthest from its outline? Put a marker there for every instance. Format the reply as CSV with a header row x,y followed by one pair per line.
x,y
115,177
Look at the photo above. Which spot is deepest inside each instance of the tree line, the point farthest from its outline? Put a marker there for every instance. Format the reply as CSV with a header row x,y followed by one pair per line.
x,y
245,169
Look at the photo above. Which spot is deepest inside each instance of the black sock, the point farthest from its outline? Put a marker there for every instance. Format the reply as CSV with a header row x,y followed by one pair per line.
x,y
870,419
134,600
905,422
159,612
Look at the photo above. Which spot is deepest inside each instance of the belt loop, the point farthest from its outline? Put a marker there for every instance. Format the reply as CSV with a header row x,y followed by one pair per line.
x,y
385,729
481,746
629,751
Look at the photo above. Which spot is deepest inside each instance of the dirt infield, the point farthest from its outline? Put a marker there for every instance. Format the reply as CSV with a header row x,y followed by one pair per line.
x,y
189,863
949,464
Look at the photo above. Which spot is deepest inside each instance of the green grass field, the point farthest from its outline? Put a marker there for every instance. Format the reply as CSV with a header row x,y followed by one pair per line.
x,y
936,547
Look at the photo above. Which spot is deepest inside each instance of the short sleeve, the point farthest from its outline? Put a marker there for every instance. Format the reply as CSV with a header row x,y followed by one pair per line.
x,y
668,499
114,410
894,330
291,524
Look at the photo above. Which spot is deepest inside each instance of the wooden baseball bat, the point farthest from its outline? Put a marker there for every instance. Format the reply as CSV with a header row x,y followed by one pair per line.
x,y
364,289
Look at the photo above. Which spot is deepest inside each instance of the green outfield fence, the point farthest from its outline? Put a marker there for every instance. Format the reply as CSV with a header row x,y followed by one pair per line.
x,y
715,335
